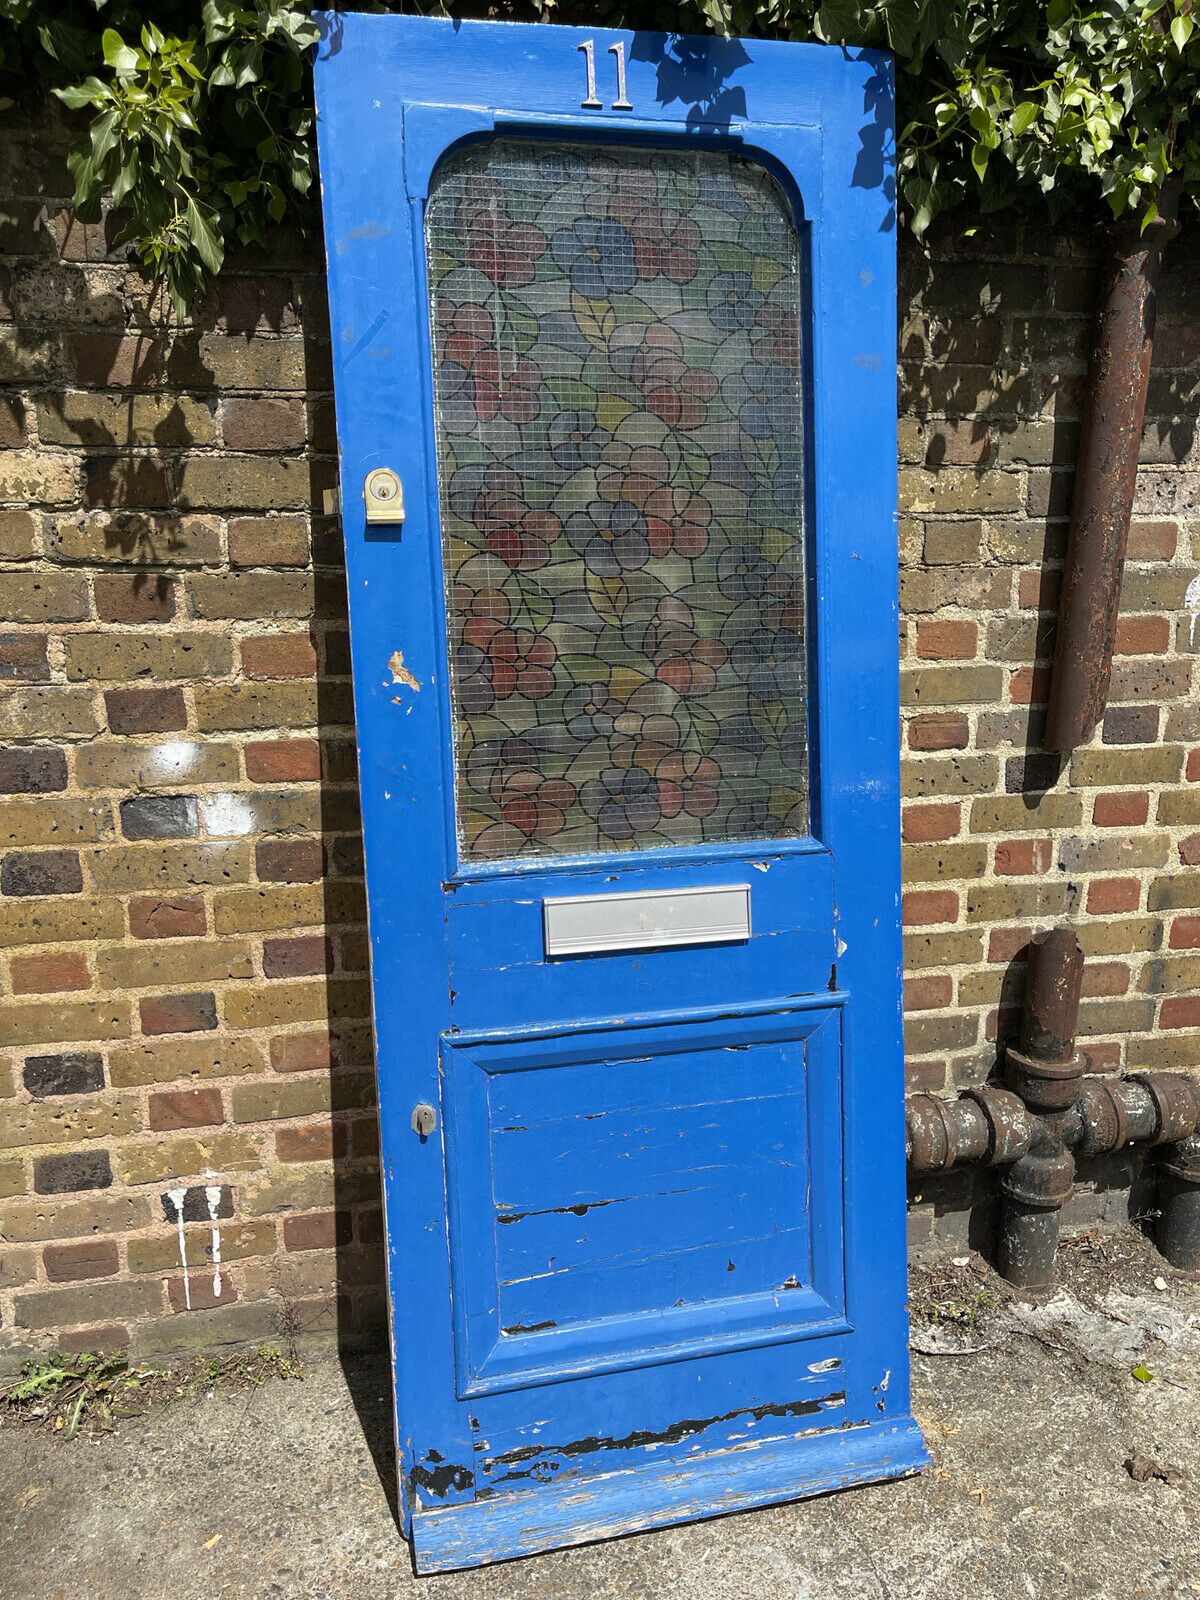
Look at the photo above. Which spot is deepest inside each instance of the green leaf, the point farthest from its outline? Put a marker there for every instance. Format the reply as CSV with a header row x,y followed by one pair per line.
x,y
1025,116
1181,31
203,228
117,54
1142,1373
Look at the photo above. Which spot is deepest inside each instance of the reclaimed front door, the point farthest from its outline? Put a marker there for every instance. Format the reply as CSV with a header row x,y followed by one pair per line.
x,y
613,321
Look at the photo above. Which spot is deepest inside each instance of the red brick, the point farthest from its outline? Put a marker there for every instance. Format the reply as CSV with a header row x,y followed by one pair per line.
x,y
134,597
318,1230
283,761
146,710
1193,766
1109,895
1020,856
1189,850
939,730
1038,590
1143,636
279,655
318,1141
300,957
946,639
1185,933
927,824
1105,978
290,860
1126,810
1005,944
153,917
90,1258
200,1290
1180,1011
107,1336
923,906
1104,1055
185,1108
1029,686
1151,541
302,1052
50,974
928,991
264,424
179,1013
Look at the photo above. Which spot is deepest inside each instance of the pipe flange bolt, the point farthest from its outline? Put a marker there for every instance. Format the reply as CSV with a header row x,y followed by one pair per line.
x,y
1175,1104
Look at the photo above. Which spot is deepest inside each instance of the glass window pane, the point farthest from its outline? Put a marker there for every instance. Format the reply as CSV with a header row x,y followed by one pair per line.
x,y
620,442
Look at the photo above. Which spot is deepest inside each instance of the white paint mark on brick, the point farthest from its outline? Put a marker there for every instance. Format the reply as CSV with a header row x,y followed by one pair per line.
x,y
1192,601
177,1198
212,1194
229,816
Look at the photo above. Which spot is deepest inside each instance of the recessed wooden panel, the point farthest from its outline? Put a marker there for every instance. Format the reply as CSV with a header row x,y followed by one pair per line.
x,y
630,1192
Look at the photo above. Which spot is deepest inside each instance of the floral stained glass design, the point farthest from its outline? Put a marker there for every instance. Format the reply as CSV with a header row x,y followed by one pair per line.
x,y
619,427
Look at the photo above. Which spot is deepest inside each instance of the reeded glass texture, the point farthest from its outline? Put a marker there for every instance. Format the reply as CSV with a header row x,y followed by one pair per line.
x,y
620,441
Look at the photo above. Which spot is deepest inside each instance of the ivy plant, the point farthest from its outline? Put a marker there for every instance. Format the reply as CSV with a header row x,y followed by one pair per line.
x,y
200,130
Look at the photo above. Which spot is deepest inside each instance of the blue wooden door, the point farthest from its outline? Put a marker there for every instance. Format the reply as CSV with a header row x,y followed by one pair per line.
x,y
614,317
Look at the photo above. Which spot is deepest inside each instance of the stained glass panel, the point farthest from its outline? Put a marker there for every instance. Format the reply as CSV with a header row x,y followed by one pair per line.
x,y
620,442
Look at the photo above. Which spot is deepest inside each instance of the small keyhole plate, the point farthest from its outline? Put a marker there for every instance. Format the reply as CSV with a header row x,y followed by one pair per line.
x,y
384,495
424,1119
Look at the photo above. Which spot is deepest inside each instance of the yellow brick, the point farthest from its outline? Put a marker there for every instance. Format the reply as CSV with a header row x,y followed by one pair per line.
x,y
51,820
64,1122
66,919
153,1161
293,1097
54,1021
172,866
171,1060
174,963
54,1217
238,1240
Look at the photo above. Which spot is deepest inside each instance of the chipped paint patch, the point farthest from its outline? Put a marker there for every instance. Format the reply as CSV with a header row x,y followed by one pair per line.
x,y
212,1193
1191,601
400,673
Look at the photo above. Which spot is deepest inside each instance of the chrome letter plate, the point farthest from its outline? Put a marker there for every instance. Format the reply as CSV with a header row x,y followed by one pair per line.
x,y
588,924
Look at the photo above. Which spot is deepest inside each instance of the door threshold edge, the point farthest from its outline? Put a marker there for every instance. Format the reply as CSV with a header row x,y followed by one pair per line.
x,y
550,1516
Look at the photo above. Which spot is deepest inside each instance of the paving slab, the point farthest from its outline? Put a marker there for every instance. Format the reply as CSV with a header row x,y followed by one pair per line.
x,y
1040,1434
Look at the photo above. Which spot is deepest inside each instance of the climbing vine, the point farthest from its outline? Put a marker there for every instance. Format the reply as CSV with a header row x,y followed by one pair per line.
x,y
199,131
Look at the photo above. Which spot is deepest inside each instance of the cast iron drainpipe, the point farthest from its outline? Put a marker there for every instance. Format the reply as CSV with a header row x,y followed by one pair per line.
x,y
1114,411
1049,1110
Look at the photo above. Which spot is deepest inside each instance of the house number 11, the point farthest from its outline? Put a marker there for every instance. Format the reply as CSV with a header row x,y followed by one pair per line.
x,y
593,103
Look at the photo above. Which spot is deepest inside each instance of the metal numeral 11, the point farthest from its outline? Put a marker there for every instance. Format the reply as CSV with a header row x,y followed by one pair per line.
x,y
593,102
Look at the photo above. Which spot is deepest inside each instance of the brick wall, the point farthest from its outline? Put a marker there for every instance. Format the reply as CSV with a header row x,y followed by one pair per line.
x,y
184,993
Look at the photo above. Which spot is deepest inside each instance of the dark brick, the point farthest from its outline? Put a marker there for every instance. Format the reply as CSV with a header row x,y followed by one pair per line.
x,y
35,769
290,860
160,816
74,1072
1130,725
1032,773
179,1013
23,658
318,1230
81,1169
301,957
89,1258
134,597
145,710
200,1293
26,872
195,1204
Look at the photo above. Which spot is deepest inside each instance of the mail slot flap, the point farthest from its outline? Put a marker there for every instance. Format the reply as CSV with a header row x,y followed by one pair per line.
x,y
588,924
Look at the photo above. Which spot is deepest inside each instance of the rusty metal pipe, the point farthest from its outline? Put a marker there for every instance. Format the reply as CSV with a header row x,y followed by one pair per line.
x,y
1105,474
